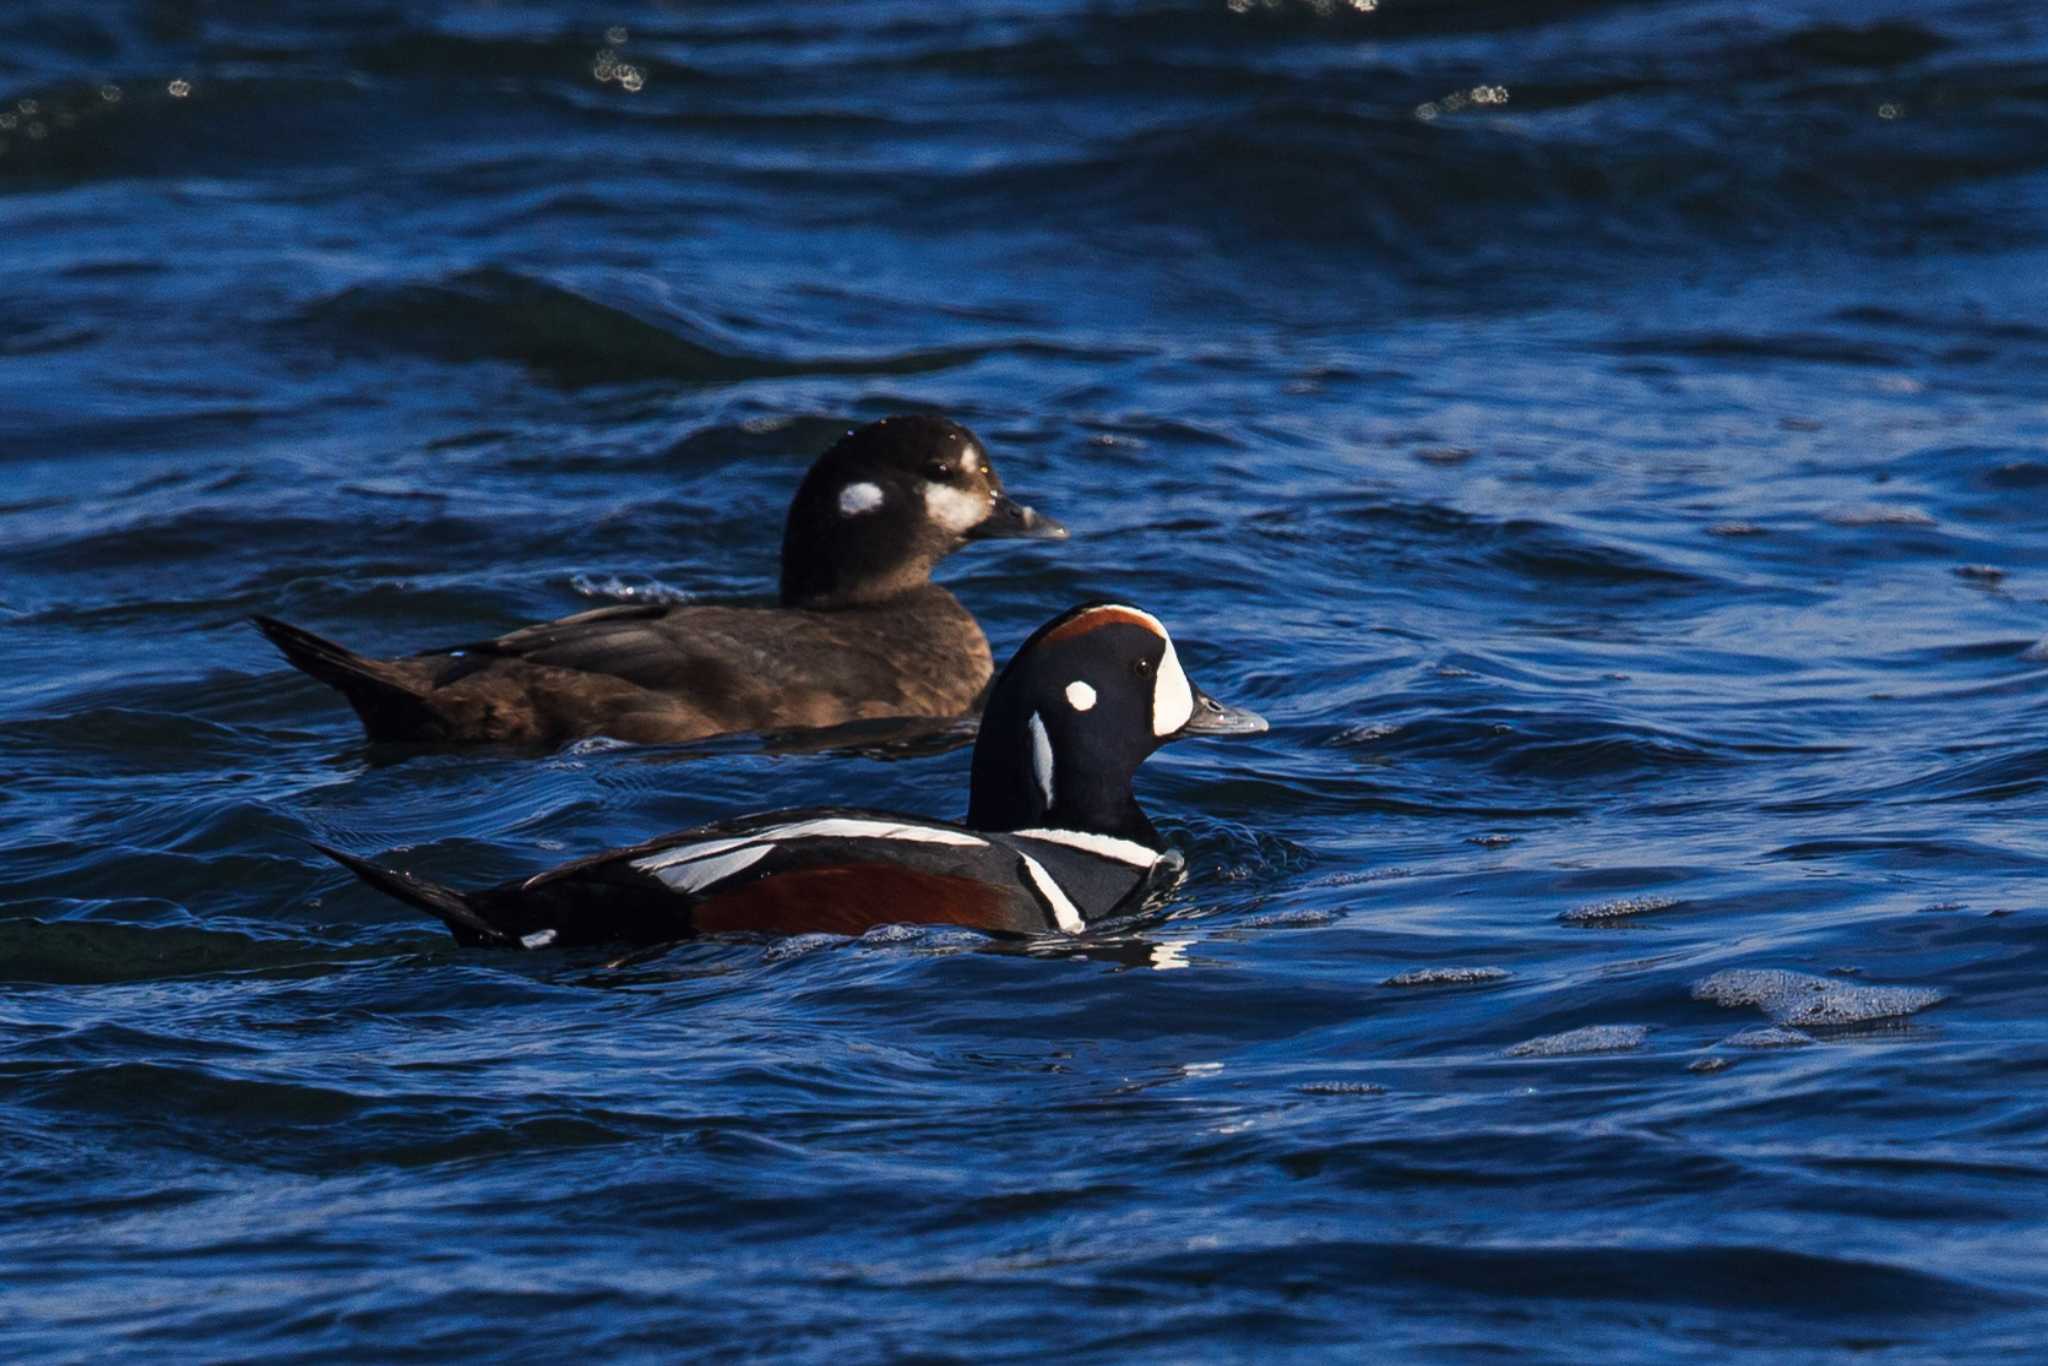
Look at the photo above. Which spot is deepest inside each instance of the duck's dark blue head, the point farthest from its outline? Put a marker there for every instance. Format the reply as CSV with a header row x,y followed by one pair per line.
x,y
1075,712
886,504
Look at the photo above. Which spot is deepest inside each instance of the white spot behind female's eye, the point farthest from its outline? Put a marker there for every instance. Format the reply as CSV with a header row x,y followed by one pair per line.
x,y
1041,758
1080,696
957,510
856,499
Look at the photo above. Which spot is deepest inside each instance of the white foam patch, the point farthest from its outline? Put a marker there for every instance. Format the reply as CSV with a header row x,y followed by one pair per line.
x,y
1064,913
1173,701
957,510
1591,1039
1107,846
1798,998
696,876
856,499
1080,696
1041,758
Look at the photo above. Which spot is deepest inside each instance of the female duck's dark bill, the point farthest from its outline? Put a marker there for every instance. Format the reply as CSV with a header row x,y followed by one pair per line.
x,y
1010,518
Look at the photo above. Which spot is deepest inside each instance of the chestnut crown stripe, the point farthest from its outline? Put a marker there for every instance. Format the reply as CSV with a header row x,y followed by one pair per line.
x,y
1095,618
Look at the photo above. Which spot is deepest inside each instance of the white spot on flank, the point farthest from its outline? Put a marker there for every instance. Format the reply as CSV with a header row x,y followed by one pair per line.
x,y
1041,757
856,499
539,939
1173,701
957,510
1063,912
1080,696
1107,846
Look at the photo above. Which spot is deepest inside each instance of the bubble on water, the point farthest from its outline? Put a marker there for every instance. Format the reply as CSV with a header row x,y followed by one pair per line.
x,y
628,588
1708,1064
1798,998
1367,733
1980,573
1768,1037
597,744
1341,1088
798,946
1446,977
1735,529
1294,920
1590,1039
1879,514
1490,841
1444,455
1619,909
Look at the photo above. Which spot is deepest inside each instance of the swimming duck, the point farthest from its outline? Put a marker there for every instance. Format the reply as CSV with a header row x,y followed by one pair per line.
x,y
861,632
1053,839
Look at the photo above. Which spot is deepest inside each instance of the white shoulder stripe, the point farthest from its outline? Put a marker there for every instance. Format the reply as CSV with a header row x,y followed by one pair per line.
x,y
1063,913
1108,846
697,875
687,853
840,827
693,867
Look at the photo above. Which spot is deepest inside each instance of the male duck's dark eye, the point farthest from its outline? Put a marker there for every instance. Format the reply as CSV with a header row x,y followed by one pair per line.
x,y
1141,667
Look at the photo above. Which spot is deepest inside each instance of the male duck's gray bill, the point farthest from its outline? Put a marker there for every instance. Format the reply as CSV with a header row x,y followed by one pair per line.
x,y
1215,718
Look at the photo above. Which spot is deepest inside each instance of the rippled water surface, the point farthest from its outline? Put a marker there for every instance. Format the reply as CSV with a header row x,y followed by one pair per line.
x,y
1610,441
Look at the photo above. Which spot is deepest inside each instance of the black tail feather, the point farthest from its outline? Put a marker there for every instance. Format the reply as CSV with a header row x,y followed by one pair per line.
x,y
389,709
445,903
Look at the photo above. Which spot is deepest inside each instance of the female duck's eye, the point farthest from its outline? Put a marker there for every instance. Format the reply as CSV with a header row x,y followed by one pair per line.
x,y
939,471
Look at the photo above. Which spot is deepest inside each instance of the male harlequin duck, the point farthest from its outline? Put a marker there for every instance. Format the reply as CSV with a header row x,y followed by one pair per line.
x,y
1053,837
862,631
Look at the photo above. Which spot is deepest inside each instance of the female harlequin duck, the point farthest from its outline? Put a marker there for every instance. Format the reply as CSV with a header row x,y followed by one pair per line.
x,y
1053,837
862,631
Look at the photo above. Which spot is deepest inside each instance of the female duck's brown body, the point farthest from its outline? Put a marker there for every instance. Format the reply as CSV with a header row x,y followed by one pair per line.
x,y
861,633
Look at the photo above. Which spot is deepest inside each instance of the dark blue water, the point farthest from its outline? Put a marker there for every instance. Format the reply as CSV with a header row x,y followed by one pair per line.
x,y
1610,441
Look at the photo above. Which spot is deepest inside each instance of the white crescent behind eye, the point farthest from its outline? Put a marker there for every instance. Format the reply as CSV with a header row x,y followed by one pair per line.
x,y
1173,700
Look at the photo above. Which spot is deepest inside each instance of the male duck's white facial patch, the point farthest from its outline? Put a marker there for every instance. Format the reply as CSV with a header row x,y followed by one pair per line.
x,y
1041,758
1173,700
856,499
1080,696
957,510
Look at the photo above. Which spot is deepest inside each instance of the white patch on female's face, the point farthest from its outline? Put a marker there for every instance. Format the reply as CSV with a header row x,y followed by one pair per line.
x,y
957,510
856,499
1173,700
1041,758
1080,696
